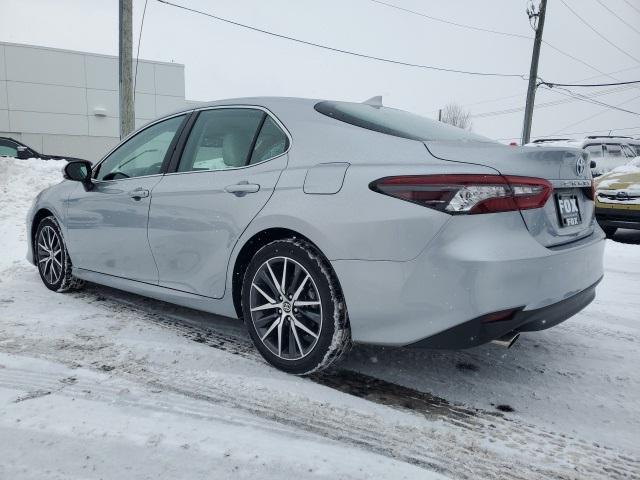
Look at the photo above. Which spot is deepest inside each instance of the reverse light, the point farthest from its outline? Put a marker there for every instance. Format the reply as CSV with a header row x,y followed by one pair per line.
x,y
467,194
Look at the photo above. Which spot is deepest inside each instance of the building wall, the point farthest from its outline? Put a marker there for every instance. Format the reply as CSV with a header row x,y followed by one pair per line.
x,y
63,102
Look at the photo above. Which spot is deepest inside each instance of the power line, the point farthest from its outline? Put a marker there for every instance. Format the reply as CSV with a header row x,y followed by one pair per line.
x,y
449,22
340,50
595,115
632,6
578,80
618,17
135,77
584,98
579,60
489,30
553,84
595,30
507,111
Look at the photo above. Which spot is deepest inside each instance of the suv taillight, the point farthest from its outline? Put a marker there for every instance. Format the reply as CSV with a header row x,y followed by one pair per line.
x,y
467,194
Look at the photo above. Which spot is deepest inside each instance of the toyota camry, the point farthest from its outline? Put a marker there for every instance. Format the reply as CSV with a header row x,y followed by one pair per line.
x,y
322,223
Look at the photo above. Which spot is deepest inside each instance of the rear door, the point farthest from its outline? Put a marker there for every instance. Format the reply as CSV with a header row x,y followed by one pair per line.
x,y
227,170
107,225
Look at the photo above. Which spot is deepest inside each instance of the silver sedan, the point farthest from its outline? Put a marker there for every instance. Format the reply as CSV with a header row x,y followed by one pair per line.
x,y
322,223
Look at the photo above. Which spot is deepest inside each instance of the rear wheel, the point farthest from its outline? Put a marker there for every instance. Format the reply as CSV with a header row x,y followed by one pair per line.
x,y
293,307
609,231
52,258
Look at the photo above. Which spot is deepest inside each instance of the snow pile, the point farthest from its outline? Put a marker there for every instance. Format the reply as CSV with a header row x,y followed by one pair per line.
x,y
20,182
628,168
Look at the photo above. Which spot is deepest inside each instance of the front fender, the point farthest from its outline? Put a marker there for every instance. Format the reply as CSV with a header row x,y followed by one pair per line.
x,y
51,201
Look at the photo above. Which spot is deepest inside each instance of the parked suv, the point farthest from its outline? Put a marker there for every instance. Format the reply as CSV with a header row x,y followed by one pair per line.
x,y
608,152
10,147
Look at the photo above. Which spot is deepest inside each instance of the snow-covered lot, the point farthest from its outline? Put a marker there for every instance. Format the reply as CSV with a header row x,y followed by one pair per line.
x,y
103,384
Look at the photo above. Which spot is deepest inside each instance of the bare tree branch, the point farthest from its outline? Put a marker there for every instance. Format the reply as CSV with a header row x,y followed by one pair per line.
x,y
455,115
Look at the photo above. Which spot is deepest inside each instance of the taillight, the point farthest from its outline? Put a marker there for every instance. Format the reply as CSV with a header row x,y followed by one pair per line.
x,y
467,194
590,192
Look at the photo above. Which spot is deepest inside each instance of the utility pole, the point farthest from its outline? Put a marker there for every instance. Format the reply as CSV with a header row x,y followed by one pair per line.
x,y
537,22
440,115
127,115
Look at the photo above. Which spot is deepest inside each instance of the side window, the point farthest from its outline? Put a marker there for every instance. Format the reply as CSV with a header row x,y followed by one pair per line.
x,y
8,150
628,151
142,154
221,138
594,151
613,150
270,143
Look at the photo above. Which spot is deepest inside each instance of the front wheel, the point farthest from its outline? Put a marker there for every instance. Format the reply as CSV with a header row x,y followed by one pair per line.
x,y
52,258
293,307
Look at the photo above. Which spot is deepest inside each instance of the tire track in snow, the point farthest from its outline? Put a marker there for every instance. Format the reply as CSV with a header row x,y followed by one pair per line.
x,y
453,450
592,459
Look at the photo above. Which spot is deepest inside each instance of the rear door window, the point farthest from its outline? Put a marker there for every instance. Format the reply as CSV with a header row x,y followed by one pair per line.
x,y
613,150
594,151
628,151
270,143
221,138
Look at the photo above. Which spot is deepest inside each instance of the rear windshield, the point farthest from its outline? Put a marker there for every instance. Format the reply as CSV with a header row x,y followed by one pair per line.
x,y
395,122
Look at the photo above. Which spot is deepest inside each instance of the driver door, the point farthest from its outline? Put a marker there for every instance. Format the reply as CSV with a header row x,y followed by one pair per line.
x,y
107,225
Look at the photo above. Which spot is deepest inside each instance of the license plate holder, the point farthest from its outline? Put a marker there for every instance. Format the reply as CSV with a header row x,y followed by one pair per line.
x,y
568,210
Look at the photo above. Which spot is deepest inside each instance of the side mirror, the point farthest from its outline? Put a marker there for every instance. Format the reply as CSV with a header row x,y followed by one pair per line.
x,y
23,152
592,164
79,171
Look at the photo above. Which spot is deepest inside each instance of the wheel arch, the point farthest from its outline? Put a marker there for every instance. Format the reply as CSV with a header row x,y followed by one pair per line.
x,y
249,249
37,218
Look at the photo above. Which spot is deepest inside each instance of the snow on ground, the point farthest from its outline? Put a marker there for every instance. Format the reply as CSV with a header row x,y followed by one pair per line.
x,y
104,384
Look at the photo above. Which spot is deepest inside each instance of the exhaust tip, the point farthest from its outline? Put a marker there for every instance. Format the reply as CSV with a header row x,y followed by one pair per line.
x,y
507,340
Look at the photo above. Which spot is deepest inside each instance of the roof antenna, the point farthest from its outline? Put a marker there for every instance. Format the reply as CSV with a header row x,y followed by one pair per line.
x,y
374,101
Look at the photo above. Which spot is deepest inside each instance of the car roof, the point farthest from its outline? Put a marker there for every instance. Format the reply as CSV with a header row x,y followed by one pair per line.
x,y
266,102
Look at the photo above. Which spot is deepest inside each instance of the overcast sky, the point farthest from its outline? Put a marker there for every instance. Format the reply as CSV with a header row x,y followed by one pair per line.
x,y
223,60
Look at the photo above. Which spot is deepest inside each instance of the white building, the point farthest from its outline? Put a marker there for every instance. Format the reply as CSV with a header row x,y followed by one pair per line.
x,y
62,102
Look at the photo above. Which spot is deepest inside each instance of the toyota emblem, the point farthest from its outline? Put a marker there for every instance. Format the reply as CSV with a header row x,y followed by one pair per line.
x,y
580,164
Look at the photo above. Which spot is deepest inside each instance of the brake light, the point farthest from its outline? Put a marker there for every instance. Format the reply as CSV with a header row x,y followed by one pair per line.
x,y
590,192
467,194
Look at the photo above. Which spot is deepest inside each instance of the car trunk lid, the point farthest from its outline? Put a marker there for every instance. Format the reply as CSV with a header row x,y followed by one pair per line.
x,y
566,168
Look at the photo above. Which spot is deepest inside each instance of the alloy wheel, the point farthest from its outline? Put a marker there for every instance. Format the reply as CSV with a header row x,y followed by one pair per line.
x,y
50,255
286,308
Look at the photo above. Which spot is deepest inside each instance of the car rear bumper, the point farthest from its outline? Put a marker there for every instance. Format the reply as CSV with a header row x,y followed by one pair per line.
x,y
482,330
618,217
477,265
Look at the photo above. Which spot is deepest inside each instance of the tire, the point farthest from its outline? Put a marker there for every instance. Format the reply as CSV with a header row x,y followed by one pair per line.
x,y
609,231
307,330
55,267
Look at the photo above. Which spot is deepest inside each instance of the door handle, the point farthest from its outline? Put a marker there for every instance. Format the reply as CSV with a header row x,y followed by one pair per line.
x,y
242,188
139,193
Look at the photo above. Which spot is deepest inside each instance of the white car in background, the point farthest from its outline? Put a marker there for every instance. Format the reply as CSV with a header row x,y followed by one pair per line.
x,y
608,152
